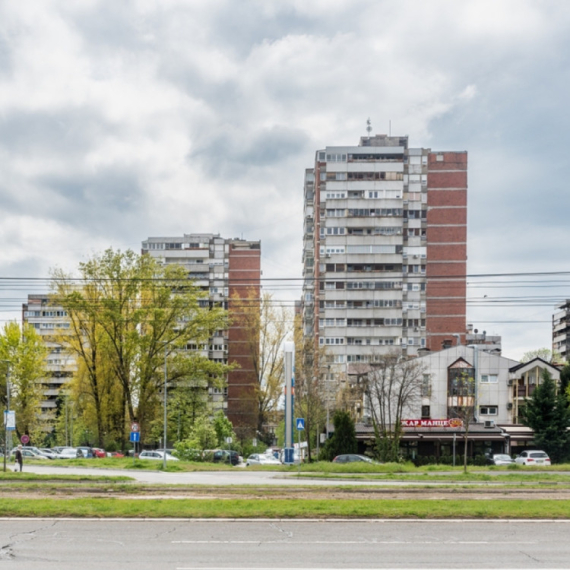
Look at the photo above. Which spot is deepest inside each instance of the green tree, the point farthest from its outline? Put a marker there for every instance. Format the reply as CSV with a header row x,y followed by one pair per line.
x,y
223,428
22,355
343,439
136,312
544,353
202,436
546,412
565,381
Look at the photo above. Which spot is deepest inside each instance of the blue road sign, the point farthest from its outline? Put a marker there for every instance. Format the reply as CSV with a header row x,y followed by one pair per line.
x,y
300,424
135,436
288,455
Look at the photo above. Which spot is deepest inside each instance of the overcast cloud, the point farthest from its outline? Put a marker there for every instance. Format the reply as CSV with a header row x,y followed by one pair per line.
x,y
123,120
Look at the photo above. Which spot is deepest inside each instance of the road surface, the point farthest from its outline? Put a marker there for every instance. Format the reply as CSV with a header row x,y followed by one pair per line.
x,y
234,477
279,545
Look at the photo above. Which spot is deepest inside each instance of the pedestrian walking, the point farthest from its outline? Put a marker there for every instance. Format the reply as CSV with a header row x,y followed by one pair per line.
x,y
19,456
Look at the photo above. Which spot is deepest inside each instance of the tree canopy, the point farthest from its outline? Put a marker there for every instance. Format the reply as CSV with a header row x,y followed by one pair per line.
x,y
22,361
343,439
547,413
128,313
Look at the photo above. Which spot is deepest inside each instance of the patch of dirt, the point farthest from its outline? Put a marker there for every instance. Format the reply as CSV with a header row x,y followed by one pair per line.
x,y
181,493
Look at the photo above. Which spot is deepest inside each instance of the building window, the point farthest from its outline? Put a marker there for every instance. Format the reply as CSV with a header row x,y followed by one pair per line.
x,y
426,413
489,378
488,410
426,386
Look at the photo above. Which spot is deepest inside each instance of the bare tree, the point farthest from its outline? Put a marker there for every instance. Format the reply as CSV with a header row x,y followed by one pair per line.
x,y
461,388
310,384
393,389
264,325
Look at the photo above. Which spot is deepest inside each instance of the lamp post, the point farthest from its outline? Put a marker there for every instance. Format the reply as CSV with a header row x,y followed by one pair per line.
x,y
7,410
165,422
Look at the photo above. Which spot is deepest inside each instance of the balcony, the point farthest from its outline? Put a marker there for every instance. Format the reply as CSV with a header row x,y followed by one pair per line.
x,y
525,391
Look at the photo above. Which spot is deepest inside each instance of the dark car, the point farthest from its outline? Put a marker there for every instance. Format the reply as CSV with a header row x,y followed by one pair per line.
x,y
222,456
87,451
351,457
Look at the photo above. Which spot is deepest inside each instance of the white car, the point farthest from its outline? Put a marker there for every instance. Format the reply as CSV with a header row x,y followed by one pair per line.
x,y
156,455
28,453
261,459
533,457
49,453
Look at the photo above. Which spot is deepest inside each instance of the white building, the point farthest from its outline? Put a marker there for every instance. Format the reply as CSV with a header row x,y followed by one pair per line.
x,y
561,330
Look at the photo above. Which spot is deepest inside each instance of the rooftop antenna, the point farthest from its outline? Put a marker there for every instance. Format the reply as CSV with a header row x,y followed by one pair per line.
x,y
368,126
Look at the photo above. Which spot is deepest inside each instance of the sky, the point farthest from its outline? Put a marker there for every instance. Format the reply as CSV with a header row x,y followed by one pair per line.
x,y
124,120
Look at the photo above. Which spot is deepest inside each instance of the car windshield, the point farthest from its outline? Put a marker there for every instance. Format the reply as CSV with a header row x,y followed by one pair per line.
x,y
507,457
539,454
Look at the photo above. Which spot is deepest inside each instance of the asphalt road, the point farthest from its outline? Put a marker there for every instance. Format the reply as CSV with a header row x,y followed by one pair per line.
x,y
233,477
279,545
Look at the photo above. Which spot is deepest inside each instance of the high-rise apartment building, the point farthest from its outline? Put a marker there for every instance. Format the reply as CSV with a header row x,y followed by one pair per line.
x,y
384,253
48,318
561,330
224,268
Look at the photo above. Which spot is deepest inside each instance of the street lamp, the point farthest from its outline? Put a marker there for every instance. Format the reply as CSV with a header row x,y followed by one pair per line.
x,y
7,410
165,422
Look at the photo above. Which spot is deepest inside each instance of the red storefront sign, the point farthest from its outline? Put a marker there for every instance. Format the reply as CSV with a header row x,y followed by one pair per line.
x,y
449,423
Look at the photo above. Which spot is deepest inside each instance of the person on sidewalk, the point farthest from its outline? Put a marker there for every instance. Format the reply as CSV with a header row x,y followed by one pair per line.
x,y
19,458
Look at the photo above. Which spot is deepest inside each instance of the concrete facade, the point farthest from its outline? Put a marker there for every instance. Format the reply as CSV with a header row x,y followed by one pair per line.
x,y
384,249
46,318
224,268
561,330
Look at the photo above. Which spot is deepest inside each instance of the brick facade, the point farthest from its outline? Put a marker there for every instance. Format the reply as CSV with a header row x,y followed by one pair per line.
x,y
446,248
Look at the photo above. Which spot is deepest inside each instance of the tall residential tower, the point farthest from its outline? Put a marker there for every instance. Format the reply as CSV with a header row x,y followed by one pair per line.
x,y
224,268
385,249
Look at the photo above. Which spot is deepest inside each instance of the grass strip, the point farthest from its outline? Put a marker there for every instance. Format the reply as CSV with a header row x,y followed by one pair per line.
x,y
28,477
289,508
446,478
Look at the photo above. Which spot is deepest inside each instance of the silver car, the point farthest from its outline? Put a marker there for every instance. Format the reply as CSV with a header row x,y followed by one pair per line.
x,y
157,455
261,459
501,459
70,453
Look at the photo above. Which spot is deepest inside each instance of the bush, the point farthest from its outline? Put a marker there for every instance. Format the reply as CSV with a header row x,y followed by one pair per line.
x,y
187,453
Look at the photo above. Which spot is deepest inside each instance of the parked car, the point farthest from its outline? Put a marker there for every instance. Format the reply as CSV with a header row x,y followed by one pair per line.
x,y
222,456
500,459
87,451
261,459
29,454
70,453
533,457
351,458
296,457
49,453
115,454
37,451
156,455
98,452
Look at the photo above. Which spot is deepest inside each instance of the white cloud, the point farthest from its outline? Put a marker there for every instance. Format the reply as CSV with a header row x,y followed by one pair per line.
x,y
122,120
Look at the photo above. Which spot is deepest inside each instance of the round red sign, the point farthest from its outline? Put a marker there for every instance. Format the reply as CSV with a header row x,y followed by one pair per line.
x,y
25,439
134,427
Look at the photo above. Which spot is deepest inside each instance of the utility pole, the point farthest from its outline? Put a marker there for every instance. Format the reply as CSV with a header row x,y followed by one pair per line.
x,y
6,430
165,421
